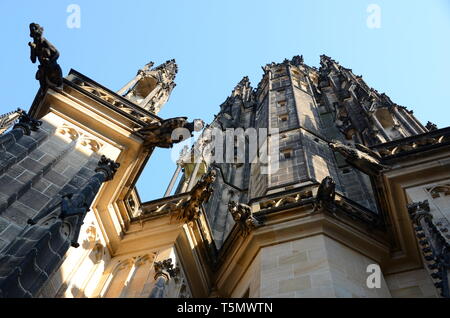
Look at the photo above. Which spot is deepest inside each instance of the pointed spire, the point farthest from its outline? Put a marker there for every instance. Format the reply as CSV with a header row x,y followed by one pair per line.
x,y
151,87
243,89
297,60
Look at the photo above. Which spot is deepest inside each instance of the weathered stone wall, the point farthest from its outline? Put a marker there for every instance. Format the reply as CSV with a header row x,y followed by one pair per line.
x,y
45,165
411,284
316,266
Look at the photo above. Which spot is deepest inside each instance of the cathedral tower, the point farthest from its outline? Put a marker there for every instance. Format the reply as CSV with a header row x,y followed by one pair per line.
x,y
314,216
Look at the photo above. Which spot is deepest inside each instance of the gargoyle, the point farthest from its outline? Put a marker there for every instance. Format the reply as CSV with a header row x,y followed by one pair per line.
x,y
169,131
325,194
242,215
49,72
361,157
27,124
200,193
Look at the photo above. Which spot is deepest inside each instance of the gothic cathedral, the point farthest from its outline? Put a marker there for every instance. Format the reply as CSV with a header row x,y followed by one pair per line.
x,y
327,184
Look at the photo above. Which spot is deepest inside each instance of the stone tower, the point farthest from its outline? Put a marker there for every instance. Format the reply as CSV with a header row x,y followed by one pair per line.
x,y
310,219
151,87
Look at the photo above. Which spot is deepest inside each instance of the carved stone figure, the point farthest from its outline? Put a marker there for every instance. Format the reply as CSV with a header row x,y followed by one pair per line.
x,y
200,193
27,124
169,131
431,126
242,215
361,157
419,210
325,194
49,72
297,60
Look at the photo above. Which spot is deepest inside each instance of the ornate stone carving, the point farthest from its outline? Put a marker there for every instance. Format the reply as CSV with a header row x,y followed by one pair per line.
x,y
297,60
91,234
199,194
166,268
434,245
69,132
419,210
49,72
407,145
83,139
27,124
242,215
164,271
325,194
108,167
286,200
361,157
439,190
169,131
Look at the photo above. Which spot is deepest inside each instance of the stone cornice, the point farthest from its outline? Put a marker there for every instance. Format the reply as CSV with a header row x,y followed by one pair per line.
x,y
288,225
419,143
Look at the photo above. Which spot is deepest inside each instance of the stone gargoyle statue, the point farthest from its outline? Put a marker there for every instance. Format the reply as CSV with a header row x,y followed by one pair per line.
x,y
199,194
361,157
325,194
242,215
167,132
49,72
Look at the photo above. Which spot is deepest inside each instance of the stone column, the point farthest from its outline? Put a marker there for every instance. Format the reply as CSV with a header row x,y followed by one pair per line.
x,y
164,271
193,176
150,95
419,127
173,180
404,121
380,128
434,246
130,84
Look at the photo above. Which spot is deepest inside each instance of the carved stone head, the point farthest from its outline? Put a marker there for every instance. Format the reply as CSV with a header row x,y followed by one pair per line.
x,y
233,208
328,183
36,31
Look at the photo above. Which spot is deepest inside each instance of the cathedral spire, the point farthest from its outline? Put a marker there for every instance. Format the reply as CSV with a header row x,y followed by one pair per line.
x,y
243,89
151,87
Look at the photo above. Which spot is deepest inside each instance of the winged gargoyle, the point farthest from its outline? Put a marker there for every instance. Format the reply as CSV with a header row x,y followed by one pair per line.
x,y
167,132
361,157
200,193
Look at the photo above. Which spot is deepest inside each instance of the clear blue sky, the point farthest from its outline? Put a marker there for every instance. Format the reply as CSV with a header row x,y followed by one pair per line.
x,y
216,43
